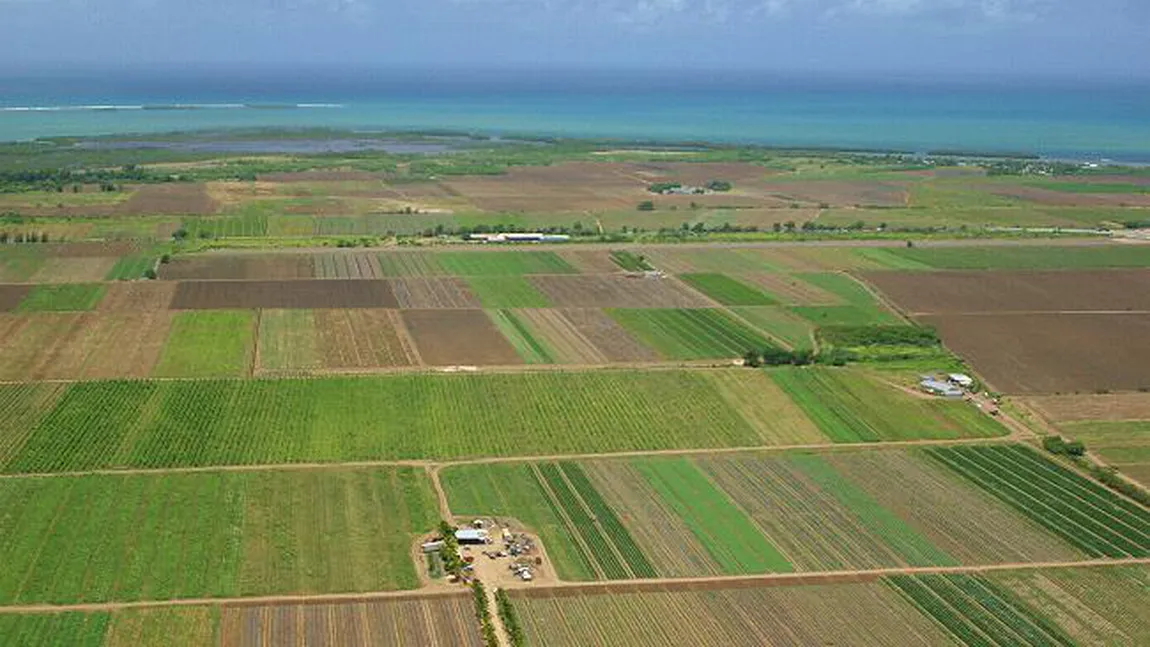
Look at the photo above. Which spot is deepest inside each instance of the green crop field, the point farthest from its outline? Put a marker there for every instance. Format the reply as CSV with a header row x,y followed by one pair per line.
x,y
503,263
850,407
727,290
1124,444
861,307
690,334
530,349
154,537
1092,187
972,610
71,297
224,422
74,629
208,343
400,264
631,262
731,538
1085,514
780,324
287,340
130,268
1014,257
163,626
506,292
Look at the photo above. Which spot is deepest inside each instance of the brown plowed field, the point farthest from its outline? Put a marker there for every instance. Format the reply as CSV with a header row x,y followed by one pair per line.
x,y
1020,291
338,265
608,336
458,338
81,345
334,293
443,621
790,290
239,267
617,291
840,193
1086,408
561,336
362,338
1052,353
12,295
169,199
137,296
73,269
433,293
588,262
1068,198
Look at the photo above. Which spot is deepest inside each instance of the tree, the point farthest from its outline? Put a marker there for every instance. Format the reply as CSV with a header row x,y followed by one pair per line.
x,y
646,205
751,359
150,274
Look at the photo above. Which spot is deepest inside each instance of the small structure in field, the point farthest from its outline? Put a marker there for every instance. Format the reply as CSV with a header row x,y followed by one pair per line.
x,y
961,380
471,536
940,388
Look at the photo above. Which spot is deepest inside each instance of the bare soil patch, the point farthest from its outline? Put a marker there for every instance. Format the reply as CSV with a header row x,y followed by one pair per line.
x,y
602,186
170,199
617,291
137,296
12,295
338,265
432,621
79,269
321,176
608,336
422,293
362,338
591,262
1022,291
82,345
458,338
790,290
839,193
1052,353
236,267
561,335
1085,408
1053,198
333,293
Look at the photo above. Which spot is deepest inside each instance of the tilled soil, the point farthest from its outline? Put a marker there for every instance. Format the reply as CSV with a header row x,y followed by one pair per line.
x,y
333,293
458,338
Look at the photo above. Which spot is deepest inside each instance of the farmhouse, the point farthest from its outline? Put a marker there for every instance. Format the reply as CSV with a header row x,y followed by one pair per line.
x,y
936,387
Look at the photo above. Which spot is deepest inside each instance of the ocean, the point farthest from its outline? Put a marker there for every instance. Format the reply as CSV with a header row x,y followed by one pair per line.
x,y
1076,120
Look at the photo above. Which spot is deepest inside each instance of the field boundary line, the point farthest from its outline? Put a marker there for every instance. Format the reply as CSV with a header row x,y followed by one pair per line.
x,y
422,463
592,587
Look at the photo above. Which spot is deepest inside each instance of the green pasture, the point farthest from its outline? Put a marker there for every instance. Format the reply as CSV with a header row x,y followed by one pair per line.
x,y
690,333
71,297
726,290
208,343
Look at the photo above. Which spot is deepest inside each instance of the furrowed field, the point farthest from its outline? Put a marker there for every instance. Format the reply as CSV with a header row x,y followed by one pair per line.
x,y
746,513
147,537
95,425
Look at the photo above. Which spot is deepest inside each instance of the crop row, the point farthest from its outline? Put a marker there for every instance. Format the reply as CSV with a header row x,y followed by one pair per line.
x,y
73,629
691,333
222,422
1051,498
977,613
608,545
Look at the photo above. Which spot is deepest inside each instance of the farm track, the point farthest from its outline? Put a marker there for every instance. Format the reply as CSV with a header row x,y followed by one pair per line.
x,y
575,588
486,460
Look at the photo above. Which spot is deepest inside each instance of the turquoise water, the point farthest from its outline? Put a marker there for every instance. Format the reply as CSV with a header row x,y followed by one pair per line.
x,y
1065,120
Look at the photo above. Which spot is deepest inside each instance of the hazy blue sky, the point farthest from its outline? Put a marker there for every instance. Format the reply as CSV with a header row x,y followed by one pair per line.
x,y
1016,37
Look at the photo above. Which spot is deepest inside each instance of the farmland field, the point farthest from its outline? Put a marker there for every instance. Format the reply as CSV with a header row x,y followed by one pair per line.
x,y
780,324
503,263
860,306
238,267
512,325
224,422
617,291
690,334
62,298
848,407
1015,257
1051,353
362,338
76,629
863,614
211,534
458,338
333,293
1085,514
419,292
606,335
212,343
287,341
506,292
137,296
410,622
726,290
56,345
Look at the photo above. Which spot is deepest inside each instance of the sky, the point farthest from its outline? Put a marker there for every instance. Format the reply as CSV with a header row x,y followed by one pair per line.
x,y
1077,39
